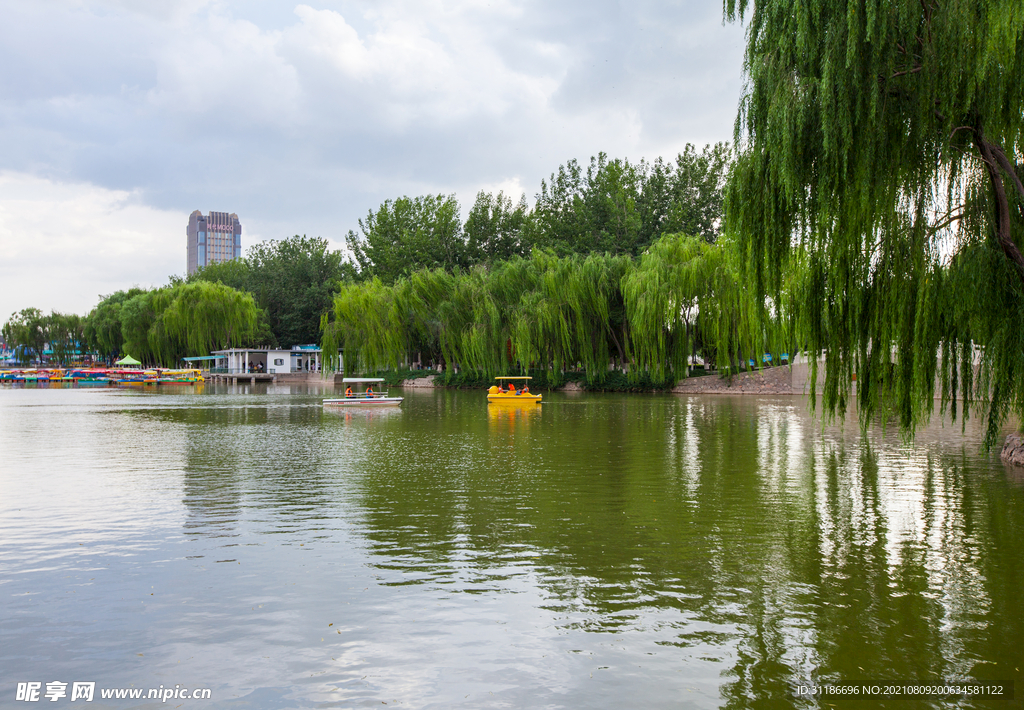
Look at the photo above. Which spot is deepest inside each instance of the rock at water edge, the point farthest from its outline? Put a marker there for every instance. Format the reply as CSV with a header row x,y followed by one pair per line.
x,y
1013,450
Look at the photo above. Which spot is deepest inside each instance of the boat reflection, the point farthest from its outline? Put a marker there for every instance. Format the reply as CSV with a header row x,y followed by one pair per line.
x,y
508,417
356,413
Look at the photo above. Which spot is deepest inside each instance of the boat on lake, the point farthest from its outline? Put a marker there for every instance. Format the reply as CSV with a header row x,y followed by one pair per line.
x,y
498,395
368,398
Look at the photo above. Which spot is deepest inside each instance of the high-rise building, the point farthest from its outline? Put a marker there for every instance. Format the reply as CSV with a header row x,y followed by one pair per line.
x,y
212,239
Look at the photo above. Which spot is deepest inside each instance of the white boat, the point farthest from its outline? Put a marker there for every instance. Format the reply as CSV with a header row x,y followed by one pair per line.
x,y
369,397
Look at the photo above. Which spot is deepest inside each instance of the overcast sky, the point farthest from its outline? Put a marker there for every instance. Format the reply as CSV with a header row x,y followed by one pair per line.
x,y
120,117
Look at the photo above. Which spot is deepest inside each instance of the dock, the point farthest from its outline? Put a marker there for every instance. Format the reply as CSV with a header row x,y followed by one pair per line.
x,y
254,377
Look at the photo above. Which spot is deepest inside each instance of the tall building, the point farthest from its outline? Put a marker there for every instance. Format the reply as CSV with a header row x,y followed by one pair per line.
x,y
212,239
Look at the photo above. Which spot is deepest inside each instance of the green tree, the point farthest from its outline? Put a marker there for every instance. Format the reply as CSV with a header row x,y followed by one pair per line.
x,y
556,313
166,324
293,281
25,333
138,316
236,273
406,234
580,212
884,138
66,335
695,191
102,329
206,316
617,207
495,228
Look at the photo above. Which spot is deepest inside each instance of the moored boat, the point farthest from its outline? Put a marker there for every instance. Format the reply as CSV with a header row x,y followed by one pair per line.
x,y
180,377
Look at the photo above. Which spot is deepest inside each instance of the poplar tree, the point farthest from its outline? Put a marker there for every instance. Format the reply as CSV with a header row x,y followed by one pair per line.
x,y
408,234
883,139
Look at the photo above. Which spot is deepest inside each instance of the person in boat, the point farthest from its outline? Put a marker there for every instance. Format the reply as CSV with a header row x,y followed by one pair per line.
x,y
525,390
369,391
511,388
348,391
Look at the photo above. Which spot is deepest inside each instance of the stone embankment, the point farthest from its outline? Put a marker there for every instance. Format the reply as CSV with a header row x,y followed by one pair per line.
x,y
1013,450
775,380
419,382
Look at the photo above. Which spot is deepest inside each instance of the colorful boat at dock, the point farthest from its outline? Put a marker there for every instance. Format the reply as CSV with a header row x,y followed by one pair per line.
x,y
33,375
179,377
124,377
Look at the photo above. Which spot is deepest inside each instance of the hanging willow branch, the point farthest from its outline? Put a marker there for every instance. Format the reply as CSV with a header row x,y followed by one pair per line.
x,y
866,124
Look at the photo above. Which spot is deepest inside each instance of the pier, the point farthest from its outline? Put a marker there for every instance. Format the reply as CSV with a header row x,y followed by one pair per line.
x,y
254,377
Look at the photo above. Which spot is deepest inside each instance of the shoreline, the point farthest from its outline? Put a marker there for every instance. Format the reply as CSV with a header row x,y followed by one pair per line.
x,y
774,381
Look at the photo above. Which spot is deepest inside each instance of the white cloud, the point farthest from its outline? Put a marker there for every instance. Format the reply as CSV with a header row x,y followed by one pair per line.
x,y
302,116
64,244
221,74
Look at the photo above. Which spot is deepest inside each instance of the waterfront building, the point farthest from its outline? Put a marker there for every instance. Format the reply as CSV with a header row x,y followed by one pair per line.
x,y
233,361
212,239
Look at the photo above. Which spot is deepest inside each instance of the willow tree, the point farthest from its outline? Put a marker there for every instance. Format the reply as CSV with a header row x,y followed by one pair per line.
x,y
884,137
65,332
568,313
677,279
368,324
687,296
25,332
166,324
202,316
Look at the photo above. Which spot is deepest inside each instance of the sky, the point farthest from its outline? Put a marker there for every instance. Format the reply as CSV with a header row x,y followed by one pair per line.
x,y
118,118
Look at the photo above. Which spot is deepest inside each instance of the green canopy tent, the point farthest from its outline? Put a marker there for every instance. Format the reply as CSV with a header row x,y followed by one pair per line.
x,y
128,361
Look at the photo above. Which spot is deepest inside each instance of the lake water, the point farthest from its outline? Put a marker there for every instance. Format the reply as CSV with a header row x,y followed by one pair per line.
x,y
597,551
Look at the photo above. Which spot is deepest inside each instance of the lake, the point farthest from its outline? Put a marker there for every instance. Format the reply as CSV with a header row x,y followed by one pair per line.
x,y
596,551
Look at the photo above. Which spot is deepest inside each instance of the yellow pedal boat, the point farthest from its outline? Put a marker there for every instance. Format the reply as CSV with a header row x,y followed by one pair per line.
x,y
497,395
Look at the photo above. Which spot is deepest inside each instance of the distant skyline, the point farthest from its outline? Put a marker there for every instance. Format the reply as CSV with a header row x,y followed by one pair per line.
x,y
121,117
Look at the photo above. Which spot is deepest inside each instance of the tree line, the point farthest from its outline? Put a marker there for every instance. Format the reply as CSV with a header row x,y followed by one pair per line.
x,y
158,326
276,294
609,206
273,297
649,315
29,331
